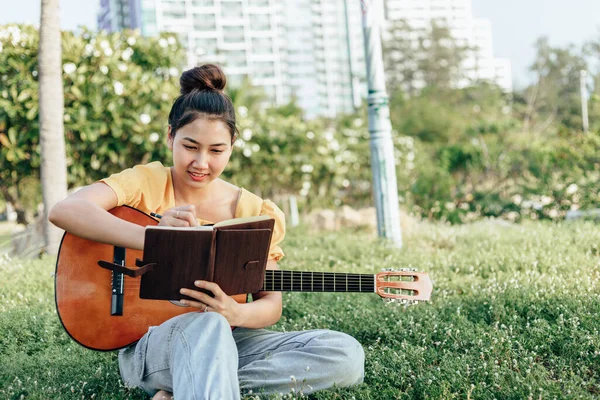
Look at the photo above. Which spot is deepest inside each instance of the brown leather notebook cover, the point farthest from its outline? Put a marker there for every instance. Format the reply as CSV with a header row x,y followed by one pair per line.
x,y
233,254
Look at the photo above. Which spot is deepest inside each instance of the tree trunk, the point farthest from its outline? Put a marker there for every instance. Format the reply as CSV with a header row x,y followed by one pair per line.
x,y
53,168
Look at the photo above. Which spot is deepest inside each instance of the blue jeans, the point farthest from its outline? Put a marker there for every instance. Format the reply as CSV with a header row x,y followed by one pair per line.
x,y
198,356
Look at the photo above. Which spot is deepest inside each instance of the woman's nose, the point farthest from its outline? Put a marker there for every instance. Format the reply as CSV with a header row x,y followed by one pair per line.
x,y
201,161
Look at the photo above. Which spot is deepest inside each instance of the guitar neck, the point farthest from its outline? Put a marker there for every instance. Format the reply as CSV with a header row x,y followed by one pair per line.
x,y
304,281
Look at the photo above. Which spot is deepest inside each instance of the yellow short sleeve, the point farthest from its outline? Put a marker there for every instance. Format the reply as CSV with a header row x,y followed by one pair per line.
x,y
269,208
145,187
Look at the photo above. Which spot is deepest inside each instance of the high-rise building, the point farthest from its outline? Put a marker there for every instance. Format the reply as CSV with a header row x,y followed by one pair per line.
x,y
476,33
115,15
241,35
310,50
324,55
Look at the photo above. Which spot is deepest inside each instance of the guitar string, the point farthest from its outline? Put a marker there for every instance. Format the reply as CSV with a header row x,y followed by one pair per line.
x,y
284,280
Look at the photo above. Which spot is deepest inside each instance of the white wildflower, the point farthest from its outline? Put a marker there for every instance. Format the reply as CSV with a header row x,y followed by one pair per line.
x,y
255,147
345,183
572,188
173,71
118,88
104,44
247,152
145,119
89,49
162,43
247,134
171,40
104,69
127,53
108,52
306,168
310,135
122,67
546,200
69,68
154,137
243,111
131,40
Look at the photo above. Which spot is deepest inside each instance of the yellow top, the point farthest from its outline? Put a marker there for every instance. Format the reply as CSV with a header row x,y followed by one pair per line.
x,y
149,188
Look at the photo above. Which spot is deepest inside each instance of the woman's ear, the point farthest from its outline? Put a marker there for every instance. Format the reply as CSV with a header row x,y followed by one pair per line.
x,y
170,138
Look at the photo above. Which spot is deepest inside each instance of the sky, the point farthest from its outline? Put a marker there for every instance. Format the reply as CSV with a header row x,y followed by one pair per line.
x,y
516,24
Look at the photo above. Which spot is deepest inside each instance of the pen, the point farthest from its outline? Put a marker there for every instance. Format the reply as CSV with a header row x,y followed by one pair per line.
x,y
155,215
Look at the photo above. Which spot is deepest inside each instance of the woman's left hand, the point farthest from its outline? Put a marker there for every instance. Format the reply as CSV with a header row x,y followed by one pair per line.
x,y
221,303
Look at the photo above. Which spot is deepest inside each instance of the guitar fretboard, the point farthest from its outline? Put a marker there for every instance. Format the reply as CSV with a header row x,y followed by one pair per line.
x,y
304,281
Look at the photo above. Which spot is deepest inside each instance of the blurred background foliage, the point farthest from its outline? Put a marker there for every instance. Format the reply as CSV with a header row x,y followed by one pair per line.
x,y
462,153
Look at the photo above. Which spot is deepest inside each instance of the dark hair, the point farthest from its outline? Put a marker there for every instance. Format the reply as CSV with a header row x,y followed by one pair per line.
x,y
202,96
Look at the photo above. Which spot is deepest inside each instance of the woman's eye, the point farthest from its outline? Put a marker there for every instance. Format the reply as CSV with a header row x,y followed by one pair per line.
x,y
217,151
189,147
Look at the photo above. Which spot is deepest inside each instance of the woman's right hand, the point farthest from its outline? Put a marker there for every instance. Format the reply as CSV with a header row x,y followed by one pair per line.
x,y
184,216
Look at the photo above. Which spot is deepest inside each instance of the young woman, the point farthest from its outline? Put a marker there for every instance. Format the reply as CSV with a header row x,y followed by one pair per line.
x,y
197,355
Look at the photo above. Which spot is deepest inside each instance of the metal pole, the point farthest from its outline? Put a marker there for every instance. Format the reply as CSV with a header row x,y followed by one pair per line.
x,y
584,106
294,220
385,188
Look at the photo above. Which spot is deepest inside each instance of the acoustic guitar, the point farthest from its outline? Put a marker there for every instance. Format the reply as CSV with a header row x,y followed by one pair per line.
x,y
102,310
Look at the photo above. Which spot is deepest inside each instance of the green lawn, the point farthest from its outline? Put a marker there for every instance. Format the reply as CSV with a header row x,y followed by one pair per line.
x,y
515,315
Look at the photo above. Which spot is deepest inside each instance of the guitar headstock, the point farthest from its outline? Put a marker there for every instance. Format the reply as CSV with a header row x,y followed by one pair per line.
x,y
403,285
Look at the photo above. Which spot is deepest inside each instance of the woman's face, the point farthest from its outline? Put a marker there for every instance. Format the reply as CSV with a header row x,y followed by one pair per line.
x,y
201,150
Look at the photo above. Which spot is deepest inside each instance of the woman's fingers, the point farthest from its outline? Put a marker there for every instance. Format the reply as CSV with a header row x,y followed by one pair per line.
x,y
202,298
181,216
197,304
211,287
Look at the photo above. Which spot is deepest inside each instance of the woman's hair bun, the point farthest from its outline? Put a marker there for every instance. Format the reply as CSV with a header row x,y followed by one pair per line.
x,y
204,77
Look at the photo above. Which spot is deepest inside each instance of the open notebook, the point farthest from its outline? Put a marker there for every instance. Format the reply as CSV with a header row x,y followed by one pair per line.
x,y
233,253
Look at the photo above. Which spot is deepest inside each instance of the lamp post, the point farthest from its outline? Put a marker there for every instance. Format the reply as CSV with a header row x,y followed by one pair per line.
x,y
385,188
584,108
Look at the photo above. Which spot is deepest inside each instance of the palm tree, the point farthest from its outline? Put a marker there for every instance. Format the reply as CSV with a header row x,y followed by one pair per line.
x,y
53,169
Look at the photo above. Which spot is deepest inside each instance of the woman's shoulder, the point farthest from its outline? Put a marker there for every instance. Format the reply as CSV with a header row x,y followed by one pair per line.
x,y
135,184
155,168
251,204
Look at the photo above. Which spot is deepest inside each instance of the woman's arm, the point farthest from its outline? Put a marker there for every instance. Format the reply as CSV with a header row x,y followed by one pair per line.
x,y
84,214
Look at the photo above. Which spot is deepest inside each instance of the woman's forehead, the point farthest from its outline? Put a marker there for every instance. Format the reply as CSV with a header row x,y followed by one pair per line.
x,y
202,130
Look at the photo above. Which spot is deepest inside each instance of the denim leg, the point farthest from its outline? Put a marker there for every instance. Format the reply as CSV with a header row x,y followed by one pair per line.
x,y
279,362
192,355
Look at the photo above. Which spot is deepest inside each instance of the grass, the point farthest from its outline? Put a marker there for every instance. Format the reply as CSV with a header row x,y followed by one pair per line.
x,y
514,315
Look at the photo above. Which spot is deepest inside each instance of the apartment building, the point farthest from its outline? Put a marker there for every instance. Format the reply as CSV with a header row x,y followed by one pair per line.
x,y
324,54
310,50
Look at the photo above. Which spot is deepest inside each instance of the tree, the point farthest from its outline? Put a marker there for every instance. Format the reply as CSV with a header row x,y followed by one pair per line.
x,y
118,90
400,57
53,167
418,58
554,98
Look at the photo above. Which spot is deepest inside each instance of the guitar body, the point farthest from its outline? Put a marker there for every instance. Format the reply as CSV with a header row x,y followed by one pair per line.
x,y
83,292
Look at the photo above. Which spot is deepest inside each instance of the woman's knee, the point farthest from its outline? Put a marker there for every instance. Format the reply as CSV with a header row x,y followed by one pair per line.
x,y
354,356
202,323
349,356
